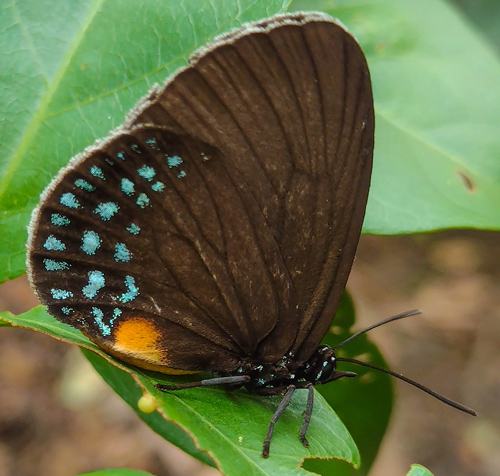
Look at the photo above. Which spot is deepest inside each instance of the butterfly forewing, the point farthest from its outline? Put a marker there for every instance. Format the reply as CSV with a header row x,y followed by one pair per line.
x,y
219,224
290,105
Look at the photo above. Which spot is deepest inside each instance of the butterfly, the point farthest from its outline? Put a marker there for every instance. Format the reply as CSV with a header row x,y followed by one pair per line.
x,y
216,228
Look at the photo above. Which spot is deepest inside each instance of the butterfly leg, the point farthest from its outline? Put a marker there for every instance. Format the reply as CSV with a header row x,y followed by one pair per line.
x,y
277,414
234,380
307,415
310,404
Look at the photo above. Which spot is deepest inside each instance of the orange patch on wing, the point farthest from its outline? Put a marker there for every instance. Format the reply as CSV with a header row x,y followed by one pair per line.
x,y
139,342
139,337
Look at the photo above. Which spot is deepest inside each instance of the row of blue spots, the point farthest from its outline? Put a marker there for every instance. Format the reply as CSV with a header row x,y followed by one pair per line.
x,y
181,174
54,244
109,161
84,185
67,310
51,265
133,290
95,284
142,200
91,242
106,210
133,229
69,200
122,253
59,220
135,148
97,172
127,187
147,173
121,155
61,293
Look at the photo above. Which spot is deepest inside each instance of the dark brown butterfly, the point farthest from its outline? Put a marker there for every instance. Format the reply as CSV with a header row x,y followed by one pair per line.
x,y
215,230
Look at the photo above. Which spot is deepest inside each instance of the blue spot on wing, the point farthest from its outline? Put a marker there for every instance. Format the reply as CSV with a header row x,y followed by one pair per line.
x,y
91,242
152,143
54,244
133,229
127,187
52,265
146,172
122,253
59,220
95,284
84,185
106,210
61,293
116,313
157,186
133,290
69,200
173,161
97,172
142,200
98,319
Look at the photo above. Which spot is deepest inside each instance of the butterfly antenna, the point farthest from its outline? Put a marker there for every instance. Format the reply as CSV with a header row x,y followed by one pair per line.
x,y
378,324
427,390
452,403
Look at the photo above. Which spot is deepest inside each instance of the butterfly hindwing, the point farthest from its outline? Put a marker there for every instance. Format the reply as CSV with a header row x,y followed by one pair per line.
x,y
137,234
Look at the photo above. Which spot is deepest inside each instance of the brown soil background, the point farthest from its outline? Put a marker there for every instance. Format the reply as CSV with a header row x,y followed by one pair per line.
x,y
57,417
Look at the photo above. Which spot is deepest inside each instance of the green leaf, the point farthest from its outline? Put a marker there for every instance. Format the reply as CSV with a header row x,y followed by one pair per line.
x,y
436,112
230,426
130,391
70,73
417,470
117,472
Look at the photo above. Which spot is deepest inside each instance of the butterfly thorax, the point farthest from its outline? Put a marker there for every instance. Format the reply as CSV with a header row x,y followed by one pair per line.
x,y
276,378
